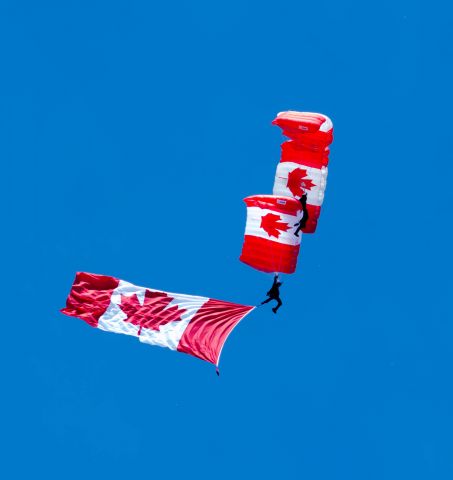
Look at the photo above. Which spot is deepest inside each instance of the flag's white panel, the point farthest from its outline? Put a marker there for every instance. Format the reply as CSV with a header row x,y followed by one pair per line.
x,y
168,335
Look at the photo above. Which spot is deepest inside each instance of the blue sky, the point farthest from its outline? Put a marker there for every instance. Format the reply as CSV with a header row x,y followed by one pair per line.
x,y
131,132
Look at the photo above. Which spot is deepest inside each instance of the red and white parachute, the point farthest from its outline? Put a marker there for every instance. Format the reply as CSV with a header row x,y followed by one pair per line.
x,y
304,159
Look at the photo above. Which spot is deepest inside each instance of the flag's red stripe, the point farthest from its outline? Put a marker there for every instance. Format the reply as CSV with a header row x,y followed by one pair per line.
x,y
209,328
269,256
90,296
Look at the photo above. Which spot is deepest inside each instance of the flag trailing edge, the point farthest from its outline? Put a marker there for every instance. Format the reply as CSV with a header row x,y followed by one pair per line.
x,y
195,325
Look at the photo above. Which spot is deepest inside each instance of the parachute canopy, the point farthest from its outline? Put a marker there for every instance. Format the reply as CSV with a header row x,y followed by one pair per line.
x,y
304,158
270,243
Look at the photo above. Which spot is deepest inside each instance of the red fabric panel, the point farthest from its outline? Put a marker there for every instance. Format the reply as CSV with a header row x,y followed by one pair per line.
x,y
286,205
304,128
90,296
293,152
313,214
209,328
269,256
304,122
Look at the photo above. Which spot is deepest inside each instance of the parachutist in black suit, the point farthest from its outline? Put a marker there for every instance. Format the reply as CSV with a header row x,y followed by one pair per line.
x,y
303,222
274,294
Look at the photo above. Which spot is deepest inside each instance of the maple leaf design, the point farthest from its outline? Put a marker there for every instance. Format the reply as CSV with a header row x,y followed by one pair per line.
x,y
298,182
272,226
153,313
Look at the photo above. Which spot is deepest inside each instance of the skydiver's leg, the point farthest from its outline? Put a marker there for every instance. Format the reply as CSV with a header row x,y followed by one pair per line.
x,y
304,219
279,304
299,226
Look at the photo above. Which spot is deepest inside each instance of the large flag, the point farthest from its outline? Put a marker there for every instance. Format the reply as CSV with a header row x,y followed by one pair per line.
x,y
270,240
195,325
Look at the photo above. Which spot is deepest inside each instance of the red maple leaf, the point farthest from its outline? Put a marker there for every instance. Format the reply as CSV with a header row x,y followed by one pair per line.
x,y
272,226
153,313
298,182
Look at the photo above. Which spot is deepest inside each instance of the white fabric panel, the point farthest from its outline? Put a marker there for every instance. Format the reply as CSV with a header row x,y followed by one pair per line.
x,y
253,225
318,176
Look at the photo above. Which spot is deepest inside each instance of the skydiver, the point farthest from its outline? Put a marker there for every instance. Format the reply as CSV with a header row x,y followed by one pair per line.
x,y
303,221
274,294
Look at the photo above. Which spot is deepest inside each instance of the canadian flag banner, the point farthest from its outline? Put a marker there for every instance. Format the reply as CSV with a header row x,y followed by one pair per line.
x,y
271,242
303,164
191,324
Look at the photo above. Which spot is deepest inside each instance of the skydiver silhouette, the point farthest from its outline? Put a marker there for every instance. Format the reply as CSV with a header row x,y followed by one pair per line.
x,y
300,225
274,294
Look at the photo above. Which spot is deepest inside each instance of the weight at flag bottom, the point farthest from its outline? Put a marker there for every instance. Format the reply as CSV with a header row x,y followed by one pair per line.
x,y
191,324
